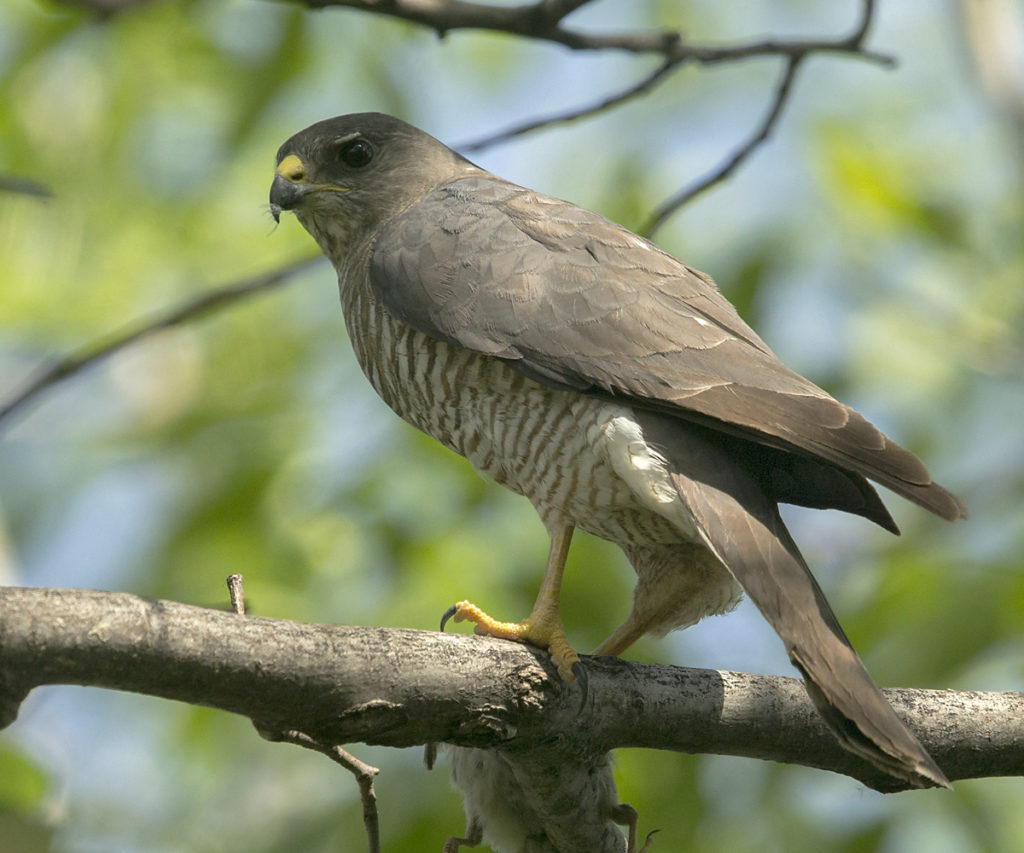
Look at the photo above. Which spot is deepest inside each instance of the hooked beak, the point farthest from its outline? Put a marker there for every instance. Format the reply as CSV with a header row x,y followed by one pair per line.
x,y
289,187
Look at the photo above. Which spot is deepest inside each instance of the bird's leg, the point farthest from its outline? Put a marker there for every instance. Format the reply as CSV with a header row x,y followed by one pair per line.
x,y
621,639
625,815
543,627
474,835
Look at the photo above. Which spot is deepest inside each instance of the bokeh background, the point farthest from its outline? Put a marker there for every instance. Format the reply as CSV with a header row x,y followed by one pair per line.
x,y
876,242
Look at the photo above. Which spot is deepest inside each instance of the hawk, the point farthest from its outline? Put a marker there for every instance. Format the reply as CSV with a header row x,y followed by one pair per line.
x,y
581,366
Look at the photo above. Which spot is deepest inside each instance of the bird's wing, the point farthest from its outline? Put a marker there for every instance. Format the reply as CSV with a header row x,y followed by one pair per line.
x,y
577,302
740,524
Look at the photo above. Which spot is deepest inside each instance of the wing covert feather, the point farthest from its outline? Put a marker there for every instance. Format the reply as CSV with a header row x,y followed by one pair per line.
x,y
577,302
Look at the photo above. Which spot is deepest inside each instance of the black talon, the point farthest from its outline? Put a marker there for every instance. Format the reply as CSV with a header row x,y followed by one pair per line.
x,y
448,614
649,841
580,671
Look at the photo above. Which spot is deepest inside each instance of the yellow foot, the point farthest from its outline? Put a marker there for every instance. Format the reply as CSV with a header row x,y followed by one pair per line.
x,y
542,630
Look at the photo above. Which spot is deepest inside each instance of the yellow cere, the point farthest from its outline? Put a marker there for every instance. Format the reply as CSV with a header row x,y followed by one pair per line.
x,y
292,168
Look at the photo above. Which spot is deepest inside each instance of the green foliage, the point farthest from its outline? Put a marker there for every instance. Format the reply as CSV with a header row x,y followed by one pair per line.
x,y
22,784
23,788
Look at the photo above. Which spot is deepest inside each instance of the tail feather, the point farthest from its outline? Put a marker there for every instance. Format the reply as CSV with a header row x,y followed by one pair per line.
x,y
741,525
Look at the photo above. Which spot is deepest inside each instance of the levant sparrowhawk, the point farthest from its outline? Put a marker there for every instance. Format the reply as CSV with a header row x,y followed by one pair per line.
x,y
611,384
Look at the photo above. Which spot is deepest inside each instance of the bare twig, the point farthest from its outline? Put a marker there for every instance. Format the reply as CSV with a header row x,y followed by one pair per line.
x,y
760,135
236,594
793,51
867,17
558,9
24,186
542,20
98,350
363,772
854,42
606,103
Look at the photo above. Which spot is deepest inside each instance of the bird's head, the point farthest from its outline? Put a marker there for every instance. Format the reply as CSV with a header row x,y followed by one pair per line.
x,y
344,177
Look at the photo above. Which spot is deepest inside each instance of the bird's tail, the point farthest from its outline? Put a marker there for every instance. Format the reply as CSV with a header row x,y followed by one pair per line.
x,y
742,526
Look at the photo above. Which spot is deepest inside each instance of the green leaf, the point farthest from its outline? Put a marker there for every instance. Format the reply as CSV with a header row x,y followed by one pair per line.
x,y
22,783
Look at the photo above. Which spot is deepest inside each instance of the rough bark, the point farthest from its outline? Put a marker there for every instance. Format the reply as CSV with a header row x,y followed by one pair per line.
x,y
403,687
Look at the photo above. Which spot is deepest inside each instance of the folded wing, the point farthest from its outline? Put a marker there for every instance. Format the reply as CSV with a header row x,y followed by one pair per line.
x,y
577,302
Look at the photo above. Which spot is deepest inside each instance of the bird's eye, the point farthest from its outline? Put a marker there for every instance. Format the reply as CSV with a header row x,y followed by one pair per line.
x,y
356,153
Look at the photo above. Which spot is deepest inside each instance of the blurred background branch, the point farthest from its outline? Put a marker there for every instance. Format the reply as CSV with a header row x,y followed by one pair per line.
x,y
23,185
217,299
543,20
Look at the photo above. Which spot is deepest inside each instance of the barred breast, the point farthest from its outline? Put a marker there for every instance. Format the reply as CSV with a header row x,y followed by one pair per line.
x,y
555,448
578,459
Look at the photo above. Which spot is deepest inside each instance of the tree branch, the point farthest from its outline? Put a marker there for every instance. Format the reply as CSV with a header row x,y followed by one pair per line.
x,y
646,84
854,42
403,687
102,348
760,135
24,186
364,775
500,704
542,20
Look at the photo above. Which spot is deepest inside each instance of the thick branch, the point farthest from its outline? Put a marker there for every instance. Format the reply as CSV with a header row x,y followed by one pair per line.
x,y
403,687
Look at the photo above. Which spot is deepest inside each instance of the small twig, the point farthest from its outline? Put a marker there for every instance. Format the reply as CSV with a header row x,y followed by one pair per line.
x,y
237,594
606,103
538,20
558,9
105,9
542,21
723,171
102,348
796,52
860,33
24,186
364,774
